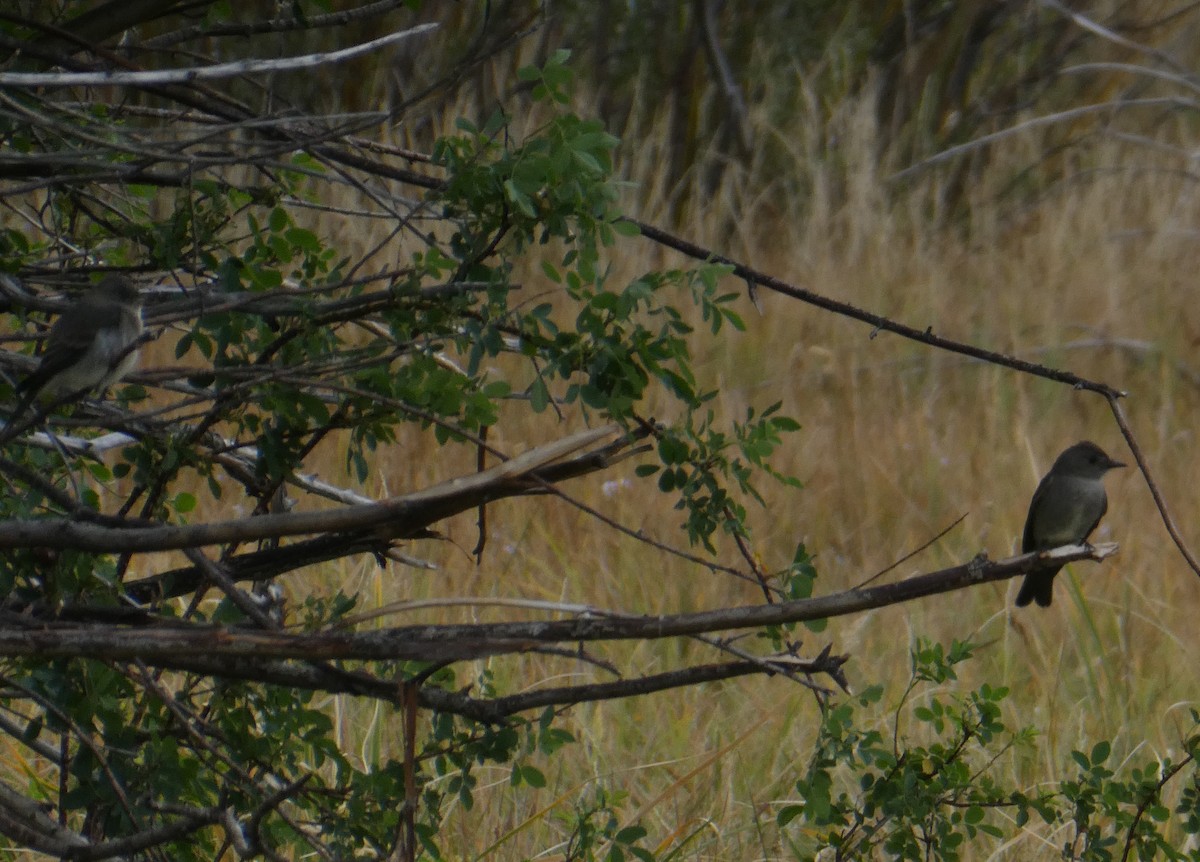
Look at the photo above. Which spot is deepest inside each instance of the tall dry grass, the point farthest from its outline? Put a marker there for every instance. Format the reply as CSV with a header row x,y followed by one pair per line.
x,y
898,441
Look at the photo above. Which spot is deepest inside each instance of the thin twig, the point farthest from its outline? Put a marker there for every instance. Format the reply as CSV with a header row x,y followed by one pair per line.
x,y
1159,500
878,321
912,553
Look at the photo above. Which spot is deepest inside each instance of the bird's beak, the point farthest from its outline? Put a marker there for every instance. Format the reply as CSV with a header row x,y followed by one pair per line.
x,y
1112,465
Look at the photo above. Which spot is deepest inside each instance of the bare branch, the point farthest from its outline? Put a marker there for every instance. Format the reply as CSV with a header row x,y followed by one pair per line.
x,y
399,516
878,321
275,25
1057,118
1159,500
159,78
168,643
23,820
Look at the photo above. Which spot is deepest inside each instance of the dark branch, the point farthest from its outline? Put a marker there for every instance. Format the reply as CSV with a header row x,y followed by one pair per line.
x,y
171,643
878,321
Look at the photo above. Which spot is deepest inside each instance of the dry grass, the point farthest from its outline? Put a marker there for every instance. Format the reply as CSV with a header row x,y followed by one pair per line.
x,y
898,441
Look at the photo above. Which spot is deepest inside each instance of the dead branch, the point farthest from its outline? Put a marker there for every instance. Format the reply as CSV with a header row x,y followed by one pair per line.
x,y
397,517
168,642
158,78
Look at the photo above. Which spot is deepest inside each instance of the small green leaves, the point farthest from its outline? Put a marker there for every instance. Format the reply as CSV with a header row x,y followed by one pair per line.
x,y
552,81
501,297
937,795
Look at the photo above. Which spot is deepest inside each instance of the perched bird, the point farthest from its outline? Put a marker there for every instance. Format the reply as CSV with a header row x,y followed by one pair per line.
x,y
1067,505
91,346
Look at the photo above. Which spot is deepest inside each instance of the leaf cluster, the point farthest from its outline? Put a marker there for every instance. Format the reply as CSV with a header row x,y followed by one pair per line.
x,y
937,792
276,345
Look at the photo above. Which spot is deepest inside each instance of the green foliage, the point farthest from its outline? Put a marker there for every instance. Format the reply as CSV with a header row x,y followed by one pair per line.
x,y
595,833
796,582
278,361
1115,817
866,791
299,343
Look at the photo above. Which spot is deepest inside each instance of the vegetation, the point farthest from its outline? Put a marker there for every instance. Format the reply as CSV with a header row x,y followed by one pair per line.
x,y
450,515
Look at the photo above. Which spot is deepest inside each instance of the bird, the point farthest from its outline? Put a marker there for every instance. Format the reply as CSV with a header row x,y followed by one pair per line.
x,y
91,346
1067,505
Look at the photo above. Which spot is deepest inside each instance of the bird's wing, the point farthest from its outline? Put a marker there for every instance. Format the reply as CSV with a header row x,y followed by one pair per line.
x,y
70,338
1027,540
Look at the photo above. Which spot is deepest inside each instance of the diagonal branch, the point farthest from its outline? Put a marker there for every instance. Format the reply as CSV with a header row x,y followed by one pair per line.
x,y
397,517
1159,500
886,324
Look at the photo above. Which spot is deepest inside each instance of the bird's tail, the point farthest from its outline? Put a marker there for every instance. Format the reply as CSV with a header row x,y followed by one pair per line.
x,y
1037,587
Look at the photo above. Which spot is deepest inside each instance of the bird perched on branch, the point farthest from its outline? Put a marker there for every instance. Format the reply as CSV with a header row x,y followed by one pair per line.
x,y
91,346
1067,505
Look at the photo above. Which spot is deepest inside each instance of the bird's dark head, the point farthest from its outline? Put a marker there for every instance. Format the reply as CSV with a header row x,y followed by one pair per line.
x,y
118,288
1085,459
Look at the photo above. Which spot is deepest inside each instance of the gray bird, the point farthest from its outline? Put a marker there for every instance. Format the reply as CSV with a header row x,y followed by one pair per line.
x,y
91,346
1067,505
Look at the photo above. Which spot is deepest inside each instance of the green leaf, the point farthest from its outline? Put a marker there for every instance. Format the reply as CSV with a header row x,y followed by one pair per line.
x,y
539,395
533,776
787,814
630,834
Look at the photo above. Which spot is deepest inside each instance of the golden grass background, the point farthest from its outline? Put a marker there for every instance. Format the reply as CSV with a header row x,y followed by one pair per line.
x,y
898,440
